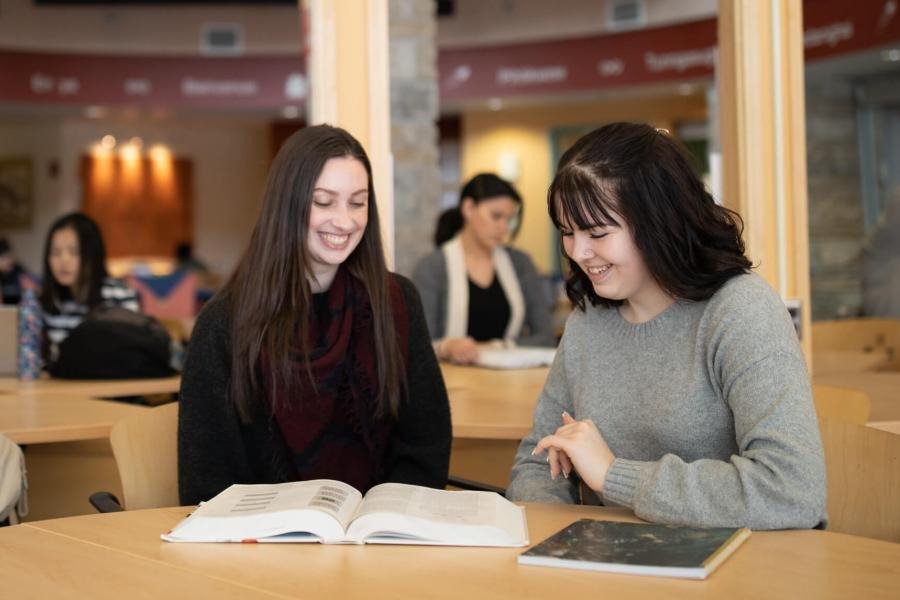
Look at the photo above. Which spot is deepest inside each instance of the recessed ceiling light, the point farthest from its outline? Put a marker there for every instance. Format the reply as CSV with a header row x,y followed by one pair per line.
x,y
892,55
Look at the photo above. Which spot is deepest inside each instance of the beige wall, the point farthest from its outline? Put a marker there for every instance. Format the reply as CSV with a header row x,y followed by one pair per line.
x,y
37,139
526,133
143,29
230,161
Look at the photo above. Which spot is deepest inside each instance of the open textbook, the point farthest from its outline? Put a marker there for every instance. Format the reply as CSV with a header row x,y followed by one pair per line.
x,y
522,357
333,512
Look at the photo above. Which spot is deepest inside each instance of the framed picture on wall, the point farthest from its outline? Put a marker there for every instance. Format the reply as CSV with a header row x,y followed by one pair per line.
x,y
16,203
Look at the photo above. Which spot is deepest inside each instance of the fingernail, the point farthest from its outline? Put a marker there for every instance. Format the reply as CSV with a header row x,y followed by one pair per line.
x,y
548,458
533,451
553,477
565,474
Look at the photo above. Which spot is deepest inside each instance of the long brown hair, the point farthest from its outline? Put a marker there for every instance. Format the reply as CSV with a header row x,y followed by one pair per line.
x,y
269,295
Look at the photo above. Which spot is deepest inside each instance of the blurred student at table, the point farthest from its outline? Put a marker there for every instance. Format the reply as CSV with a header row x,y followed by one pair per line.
x,y
75,279
313,361
11,273
679,389
476,289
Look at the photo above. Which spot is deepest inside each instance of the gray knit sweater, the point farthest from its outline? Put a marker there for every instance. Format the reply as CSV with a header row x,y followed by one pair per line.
x,y
707,408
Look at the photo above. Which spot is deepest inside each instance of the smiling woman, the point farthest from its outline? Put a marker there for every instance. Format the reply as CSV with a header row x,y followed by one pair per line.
x,y
314,361
679,389
337,218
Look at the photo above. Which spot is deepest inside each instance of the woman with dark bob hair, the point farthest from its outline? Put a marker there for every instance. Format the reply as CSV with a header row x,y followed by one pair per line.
x,y
313,361
476,289
679,389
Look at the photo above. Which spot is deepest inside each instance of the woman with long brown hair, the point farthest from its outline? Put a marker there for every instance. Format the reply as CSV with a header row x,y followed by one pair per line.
x,y
314,361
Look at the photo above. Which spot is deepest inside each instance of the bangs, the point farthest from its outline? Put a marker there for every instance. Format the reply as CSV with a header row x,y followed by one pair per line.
x,y
579,200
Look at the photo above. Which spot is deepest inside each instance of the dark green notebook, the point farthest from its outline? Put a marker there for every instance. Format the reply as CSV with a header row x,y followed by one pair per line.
x,y
637,548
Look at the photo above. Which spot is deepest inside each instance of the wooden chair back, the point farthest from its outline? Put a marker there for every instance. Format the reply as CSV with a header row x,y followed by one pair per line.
x,y
145,447
841,404
863,470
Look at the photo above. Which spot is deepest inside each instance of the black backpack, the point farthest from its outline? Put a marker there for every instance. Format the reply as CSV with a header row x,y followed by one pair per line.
x,y
114,343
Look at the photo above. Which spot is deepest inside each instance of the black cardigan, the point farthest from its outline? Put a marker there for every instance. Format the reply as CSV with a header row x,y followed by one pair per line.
x,y
216,450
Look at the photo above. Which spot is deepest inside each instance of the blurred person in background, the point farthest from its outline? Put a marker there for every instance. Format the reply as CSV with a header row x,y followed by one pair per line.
x,y
474,288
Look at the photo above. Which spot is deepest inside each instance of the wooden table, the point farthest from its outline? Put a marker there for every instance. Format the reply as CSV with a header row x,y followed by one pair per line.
x,y
889,426
827,362
492,404
883,388
48,418
491,412
120,555
102,388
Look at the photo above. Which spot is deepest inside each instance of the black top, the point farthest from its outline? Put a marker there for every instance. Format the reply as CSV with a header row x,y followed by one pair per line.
x,y
488,311
216,450
10,285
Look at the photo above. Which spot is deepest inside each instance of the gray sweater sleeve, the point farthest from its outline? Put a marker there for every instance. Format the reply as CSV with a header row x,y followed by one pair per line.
x,y
430,279
530,480
777,478
538,303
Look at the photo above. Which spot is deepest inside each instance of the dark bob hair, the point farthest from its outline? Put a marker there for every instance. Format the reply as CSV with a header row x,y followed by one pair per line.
x,y
631,171
484,186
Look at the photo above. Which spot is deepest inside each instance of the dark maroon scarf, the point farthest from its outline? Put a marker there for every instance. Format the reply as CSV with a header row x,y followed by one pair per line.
x,y
332,430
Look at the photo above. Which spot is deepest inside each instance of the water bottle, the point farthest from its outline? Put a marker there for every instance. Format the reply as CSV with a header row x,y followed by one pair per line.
x,y
30,325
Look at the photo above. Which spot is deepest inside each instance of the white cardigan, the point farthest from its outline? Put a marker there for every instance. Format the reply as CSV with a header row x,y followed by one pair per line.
x,y
458,290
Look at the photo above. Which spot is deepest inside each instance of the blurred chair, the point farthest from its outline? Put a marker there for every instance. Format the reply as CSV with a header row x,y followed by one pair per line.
x,y
854,345
145,447
171,296
841,404
863,472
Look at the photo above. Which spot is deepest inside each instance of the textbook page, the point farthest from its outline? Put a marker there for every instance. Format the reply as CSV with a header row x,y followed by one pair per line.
x,y
522,357
298,511
399,513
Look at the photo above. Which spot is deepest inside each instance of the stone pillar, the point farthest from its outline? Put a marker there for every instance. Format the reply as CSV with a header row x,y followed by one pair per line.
x,y
414,133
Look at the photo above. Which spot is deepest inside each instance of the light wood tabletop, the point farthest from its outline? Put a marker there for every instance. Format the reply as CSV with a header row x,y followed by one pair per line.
x,y
97,388
492,404
121,553
883,388
889,426
48,418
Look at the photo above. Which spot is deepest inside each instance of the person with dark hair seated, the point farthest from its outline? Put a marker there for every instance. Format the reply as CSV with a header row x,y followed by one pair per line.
x,y
75,279
474,288
679,389
313,361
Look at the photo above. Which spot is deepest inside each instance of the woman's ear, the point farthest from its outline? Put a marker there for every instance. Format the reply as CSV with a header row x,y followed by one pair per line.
x,y
466,206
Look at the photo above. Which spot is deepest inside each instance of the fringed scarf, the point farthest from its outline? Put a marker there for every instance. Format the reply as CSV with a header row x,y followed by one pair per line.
x,y
332,429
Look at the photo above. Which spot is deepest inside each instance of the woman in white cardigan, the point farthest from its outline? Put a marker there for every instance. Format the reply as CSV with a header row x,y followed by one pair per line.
x,y
474,288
